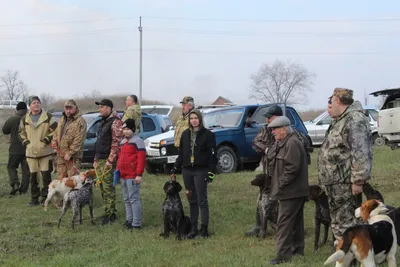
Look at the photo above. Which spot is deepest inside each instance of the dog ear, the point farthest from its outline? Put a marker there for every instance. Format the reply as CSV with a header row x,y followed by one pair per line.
x,y
165,187
179,187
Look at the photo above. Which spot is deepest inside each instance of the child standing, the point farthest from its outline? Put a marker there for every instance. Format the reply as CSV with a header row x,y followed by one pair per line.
x,y
131,162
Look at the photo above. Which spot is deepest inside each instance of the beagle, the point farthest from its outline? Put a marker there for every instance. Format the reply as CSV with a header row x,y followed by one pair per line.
x,y
370,243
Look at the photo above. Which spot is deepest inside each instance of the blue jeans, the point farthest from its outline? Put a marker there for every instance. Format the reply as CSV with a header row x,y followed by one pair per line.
x,y
131,193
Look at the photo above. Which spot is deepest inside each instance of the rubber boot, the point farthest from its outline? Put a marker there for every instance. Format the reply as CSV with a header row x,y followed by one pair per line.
x,y
256,228
204,231
193,232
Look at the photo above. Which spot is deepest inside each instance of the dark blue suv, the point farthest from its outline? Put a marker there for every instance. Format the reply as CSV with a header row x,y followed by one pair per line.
x,y
234,127
152,124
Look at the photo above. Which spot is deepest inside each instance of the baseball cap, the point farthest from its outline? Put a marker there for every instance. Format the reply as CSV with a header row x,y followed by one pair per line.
x,y
105,102
70,103
187,99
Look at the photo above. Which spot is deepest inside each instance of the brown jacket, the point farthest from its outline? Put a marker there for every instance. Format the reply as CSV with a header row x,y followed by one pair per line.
x,y
70,135
290,174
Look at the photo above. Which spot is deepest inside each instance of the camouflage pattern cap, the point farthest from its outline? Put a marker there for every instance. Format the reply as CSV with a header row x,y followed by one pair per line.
x,y
187,99
70,103
343,93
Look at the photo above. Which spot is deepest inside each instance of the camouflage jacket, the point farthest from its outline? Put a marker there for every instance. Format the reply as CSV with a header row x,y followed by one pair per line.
x,y
181,124
70,135
133,112
345,155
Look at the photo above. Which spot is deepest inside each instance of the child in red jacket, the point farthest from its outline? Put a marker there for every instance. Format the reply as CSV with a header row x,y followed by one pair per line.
x,y
131,161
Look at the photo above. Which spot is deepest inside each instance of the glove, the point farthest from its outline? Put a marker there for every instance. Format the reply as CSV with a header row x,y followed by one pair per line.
x,y
173,171
46,140
211,177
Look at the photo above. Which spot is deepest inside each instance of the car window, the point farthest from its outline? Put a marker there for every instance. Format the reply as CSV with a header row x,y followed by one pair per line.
x,y
148,125
374,114
14,102
326,120
167,121
95,127
223,118
259,117
6,102
89,120
290,116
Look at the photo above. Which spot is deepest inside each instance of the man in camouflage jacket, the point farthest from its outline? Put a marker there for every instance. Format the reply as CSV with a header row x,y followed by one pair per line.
x,y
183,121
68,140
345,159
133,111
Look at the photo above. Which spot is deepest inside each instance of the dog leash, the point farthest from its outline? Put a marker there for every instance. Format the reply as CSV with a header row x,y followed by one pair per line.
x,y
100,177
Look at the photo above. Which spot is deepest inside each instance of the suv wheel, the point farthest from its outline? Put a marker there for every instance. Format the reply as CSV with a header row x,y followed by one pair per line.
x,y
378,140
227,160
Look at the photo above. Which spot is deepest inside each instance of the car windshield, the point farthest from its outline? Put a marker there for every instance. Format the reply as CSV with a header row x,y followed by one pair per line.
x,y
319,117
155,110
89,119
223,118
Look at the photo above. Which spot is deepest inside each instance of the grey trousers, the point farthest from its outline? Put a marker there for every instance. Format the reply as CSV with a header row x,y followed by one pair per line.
x,y
196,181
133,209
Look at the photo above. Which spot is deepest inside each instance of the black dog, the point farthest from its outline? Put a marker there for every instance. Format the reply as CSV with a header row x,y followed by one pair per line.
x,y
322,215
267,207
174,217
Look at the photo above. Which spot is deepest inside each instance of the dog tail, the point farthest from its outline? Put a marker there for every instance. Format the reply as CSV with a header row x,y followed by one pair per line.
x,y
338,255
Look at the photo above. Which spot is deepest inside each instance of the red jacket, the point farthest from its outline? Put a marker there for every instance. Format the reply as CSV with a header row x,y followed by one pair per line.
x,y
131,157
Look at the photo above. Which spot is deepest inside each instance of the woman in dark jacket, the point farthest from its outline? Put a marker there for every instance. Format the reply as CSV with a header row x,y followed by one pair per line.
x,y
197,159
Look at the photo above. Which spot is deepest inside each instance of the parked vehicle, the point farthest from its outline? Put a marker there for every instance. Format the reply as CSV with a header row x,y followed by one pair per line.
x,y
157,109
57,115
234,127
389,117
151,125
9,104
317,127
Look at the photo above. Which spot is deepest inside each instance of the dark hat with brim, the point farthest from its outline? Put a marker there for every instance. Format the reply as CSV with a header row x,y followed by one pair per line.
x,y
105,102
273,111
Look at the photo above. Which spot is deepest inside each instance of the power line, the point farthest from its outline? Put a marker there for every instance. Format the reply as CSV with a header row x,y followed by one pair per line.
x,y
194,52
275,20
64,22
190,31
66,33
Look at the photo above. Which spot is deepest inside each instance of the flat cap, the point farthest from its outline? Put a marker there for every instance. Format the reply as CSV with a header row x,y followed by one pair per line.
x,y
343,93
279,122
70,103
273,111
187,99
105,102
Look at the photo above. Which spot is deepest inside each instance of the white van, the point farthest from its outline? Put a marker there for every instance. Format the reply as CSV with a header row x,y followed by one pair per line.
x,y
389,117
9,104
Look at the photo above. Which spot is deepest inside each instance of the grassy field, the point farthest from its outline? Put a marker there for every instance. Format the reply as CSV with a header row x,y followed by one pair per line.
x,y
30,237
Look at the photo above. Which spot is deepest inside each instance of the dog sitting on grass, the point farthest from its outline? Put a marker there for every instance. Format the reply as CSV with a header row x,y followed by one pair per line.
x,y
76,199
267,207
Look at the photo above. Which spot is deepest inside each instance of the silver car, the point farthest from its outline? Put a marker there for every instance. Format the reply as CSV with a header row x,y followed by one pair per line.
x,y
317,127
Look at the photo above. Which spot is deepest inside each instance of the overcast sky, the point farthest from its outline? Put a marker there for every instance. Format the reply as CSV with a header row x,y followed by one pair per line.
x,y
201,48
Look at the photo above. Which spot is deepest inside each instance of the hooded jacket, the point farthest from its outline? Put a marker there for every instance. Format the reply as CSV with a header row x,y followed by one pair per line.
x,y
12,127
200,145
345,156
70,135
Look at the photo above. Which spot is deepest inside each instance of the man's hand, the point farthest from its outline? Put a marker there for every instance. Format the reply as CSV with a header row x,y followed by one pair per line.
x,y
138,179
67,157
107,166
356,189
95,165
53,144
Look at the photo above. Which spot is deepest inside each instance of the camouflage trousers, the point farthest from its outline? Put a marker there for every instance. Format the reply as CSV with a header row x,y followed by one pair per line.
x,y
342,205
106,187
67,169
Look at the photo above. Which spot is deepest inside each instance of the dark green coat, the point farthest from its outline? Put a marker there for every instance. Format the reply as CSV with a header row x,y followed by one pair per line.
x,y
12,127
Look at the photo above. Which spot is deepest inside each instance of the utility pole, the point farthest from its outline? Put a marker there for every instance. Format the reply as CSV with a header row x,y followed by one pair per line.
x,y
140,60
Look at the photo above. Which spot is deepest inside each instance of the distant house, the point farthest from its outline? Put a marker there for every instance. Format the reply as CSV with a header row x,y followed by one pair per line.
x,y
221,101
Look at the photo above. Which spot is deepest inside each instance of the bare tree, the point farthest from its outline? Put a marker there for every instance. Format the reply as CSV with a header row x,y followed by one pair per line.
x,y
46,99
14,87
282,83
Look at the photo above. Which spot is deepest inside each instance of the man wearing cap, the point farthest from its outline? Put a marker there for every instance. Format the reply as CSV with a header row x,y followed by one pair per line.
x,y
68,140
261,144
345,159
183,121
106,151
36,131
289,186
16,152
133,111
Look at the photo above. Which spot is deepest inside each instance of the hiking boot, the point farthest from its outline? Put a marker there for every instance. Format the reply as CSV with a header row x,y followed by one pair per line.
x,y
279,260
34,202
113,218
105,220
14,190
204,231
193,232
127,224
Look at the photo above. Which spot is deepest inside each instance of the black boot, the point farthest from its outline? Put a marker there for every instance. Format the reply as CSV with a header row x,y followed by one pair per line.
x,y
193,232
34,202
204,231
256,228
14,190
